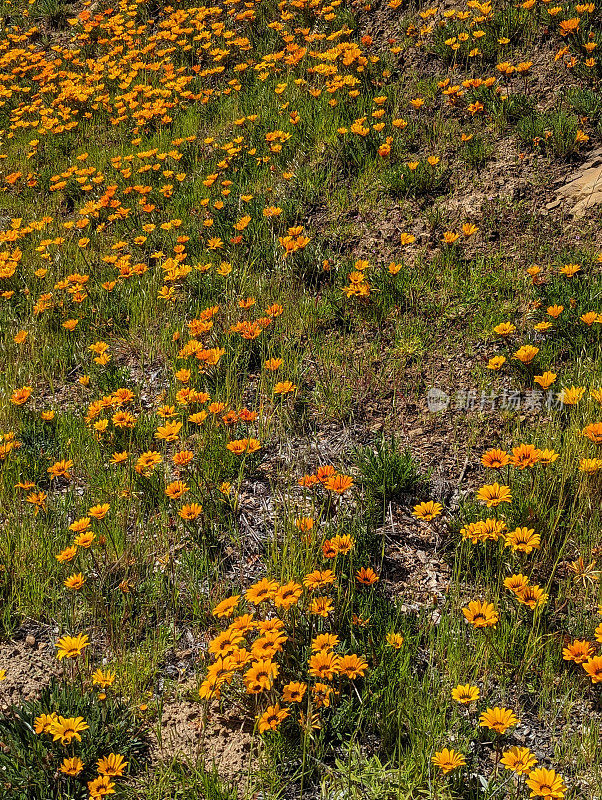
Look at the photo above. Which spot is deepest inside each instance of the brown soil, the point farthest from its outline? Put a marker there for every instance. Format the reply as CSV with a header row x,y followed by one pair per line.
x,y
224,741
29,666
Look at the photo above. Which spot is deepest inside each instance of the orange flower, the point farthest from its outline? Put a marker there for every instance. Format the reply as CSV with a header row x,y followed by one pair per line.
x,y
448,760
526,353
525,455
190,511
495,459
21,396
319,579
226,607
498,719
352,666
546,783
593,432
338,483
271,718
261,591
288,595
321,606
293,692
284,387
427,511
593,667
481,614
395,640
324,665
176,489
578,651
366,576
260,676
545,380
493,494
324,473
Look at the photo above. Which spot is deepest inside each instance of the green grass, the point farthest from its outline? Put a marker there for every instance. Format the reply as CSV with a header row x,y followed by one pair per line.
x,y
178,209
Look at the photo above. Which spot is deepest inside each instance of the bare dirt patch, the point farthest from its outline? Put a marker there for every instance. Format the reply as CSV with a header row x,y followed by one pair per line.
x,y
29,665
225,740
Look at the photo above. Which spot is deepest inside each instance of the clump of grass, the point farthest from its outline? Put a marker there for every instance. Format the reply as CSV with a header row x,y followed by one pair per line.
x,y
181,780
553,133
476,152
39,761
388,474
417,179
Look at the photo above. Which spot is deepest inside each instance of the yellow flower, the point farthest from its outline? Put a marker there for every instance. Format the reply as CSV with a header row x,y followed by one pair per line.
x,y
570,397
545,380
100,787
226,607
504,329
71,766
590,465
75,581
271,718
321,606
44,722
261,591
68,554
593,667
570,269
593,432
67,728
579,651
294,692
524,540
324,665
80,525
99,511
147,462
465,694
498,719
112,765
519,759
21,396
516,583
481,614
190,511
85,540
284,387
546,783
72,646
288,595
449,237
103,679
169,432
448,760
497,362
493,494
427,511
526,353
532,596
395,640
